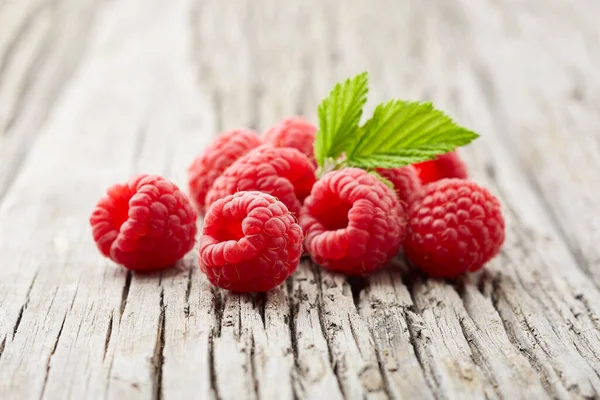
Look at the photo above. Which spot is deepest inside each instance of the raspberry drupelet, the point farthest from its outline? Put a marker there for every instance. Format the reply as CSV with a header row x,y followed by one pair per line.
x,y
456,226
294,132
223,151
250,242
406,183
353,222
282,172
144,224
448,165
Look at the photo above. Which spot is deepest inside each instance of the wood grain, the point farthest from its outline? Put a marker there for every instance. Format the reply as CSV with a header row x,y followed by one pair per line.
x,y
92,92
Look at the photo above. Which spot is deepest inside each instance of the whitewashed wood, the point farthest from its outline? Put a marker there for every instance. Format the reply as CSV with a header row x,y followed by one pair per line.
x,y
160,78
556,91
385,305
104,151
350,343
41,44
315,375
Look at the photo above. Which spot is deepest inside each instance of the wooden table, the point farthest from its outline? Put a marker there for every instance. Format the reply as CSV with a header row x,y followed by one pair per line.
x,y
94,91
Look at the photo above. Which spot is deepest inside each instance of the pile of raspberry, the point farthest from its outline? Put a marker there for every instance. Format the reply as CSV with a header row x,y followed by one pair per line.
x,y
263,206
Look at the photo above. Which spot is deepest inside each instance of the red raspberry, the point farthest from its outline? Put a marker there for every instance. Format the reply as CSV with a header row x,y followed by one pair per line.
x,y
447,165
456,226
223,151
144,224
353,222
250,242
282,172
406,182
294,132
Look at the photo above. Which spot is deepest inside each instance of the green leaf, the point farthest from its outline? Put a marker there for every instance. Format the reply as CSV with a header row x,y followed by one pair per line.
x,y
404,132
339,117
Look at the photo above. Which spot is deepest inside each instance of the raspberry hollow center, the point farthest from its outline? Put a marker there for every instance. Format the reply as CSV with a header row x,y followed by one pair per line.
x,y
333,215
230,230
120,212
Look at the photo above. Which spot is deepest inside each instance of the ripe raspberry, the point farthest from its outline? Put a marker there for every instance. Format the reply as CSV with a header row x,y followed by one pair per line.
x,y
456,226
353,222
405,180
294,132
250,242
282,172
144,224
224,150
447,165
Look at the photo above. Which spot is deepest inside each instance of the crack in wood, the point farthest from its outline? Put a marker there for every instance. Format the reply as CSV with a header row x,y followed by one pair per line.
x,y
74,296
211,365
238,314
124,295
354,336
260,300
2,346
253,376
24,306
158,357
109,330
219,309
291,319
49,360
357,285
188,291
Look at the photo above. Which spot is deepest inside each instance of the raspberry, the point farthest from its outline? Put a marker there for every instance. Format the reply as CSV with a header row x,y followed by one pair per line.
x,y
456,226
225,149
294,132
447,165
250,242
282,172
405,180
144,224
353,222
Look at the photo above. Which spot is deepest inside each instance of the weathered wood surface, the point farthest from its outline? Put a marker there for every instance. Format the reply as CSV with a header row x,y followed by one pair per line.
x,y
93,91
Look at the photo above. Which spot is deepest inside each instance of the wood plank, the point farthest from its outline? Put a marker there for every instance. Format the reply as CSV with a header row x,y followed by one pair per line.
x,y
386,304
78,326
141,87
314,370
